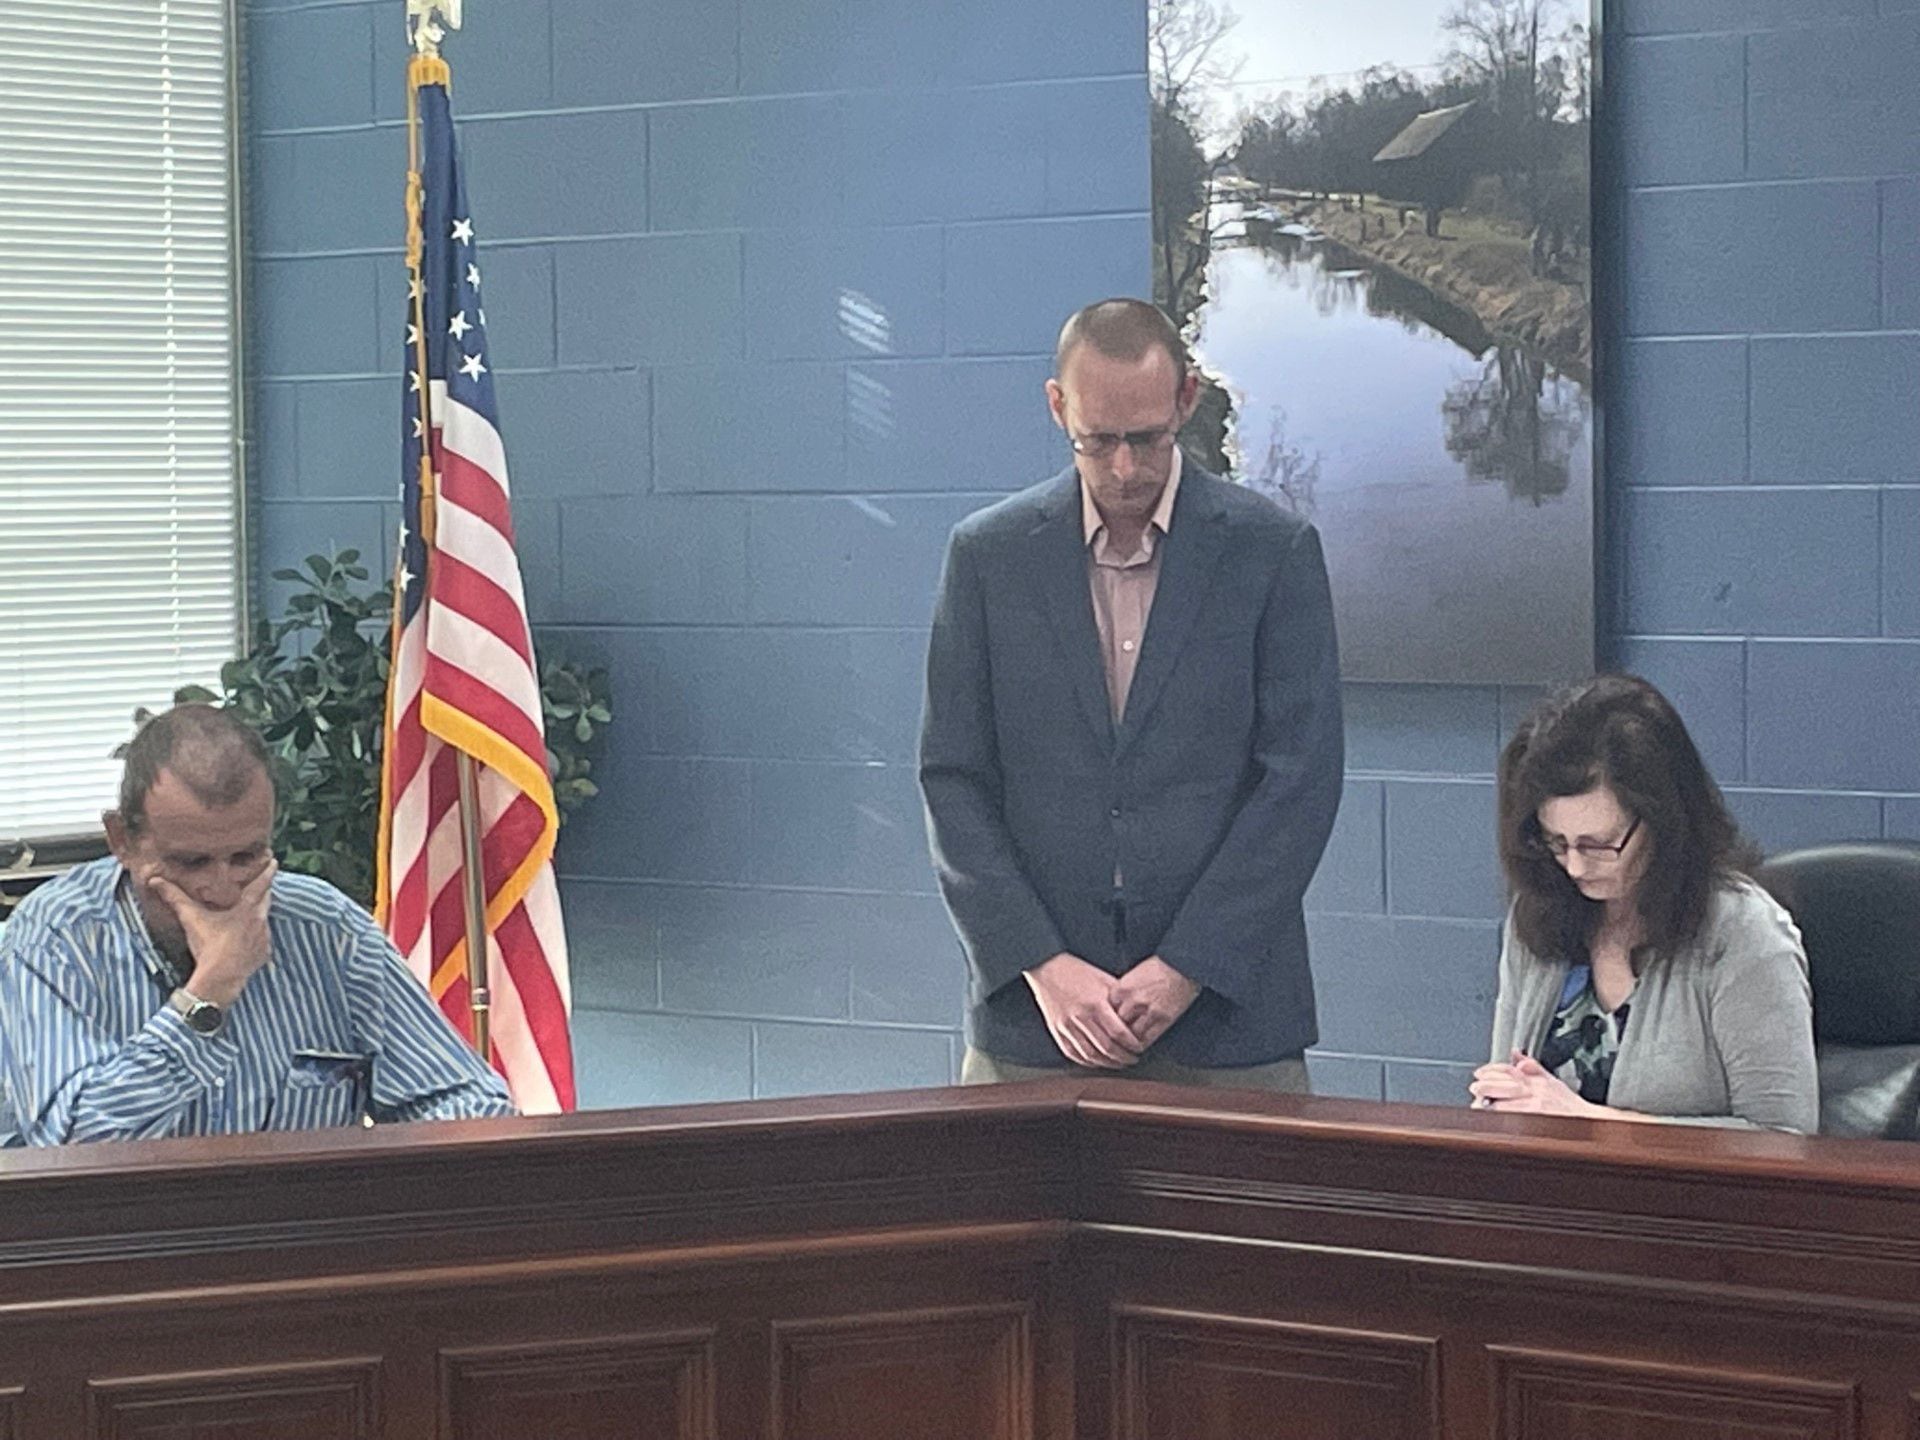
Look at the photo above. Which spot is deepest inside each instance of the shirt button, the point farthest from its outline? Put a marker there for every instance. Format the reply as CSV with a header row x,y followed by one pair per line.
x,y
1114,812
1127,645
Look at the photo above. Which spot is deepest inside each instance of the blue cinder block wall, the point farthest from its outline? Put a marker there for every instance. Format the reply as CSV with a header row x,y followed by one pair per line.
x,y
771,287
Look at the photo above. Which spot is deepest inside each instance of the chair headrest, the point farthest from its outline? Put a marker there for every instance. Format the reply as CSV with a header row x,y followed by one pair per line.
x,y
1857,904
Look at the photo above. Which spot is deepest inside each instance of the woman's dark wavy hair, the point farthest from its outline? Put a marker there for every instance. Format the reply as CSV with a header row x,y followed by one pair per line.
x,y
1619,731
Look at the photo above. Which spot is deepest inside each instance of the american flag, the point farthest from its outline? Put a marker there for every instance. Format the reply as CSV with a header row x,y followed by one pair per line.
x,y
464,677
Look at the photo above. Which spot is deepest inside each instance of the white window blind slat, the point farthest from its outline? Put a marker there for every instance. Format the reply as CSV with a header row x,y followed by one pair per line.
x,y
119,490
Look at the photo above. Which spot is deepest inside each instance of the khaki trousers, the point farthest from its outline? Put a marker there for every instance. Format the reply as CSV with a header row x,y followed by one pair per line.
x,y
1287,1076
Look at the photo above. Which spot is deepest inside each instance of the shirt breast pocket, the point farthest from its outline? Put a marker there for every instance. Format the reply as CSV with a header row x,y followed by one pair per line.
x,y
322,1089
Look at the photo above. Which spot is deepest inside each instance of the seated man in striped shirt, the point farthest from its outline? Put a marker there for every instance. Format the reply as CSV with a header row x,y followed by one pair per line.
x,y
183,986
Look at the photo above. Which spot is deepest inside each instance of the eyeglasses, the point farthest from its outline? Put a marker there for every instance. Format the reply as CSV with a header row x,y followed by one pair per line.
x,y
1597,850
1103,443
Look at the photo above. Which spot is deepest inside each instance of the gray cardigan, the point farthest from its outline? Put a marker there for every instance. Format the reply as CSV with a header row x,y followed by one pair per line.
x,y
1720,1033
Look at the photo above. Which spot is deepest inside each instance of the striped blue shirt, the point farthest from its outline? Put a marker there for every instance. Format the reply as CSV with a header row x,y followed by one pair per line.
x,y
333,1029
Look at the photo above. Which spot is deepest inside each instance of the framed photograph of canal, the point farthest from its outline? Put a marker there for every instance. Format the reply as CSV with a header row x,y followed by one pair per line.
x,y
1372,219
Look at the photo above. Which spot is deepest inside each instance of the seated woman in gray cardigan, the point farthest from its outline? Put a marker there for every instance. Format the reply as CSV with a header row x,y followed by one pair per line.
x,y
1643,976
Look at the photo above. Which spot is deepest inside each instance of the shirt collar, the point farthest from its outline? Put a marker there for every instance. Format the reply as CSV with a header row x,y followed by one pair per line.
x,y
1162,518
157,964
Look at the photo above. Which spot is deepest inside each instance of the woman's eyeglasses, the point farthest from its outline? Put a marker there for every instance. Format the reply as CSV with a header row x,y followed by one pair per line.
x,y
1597,850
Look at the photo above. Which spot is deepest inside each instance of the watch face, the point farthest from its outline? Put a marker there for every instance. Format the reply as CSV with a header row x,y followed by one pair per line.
x,y
201,1015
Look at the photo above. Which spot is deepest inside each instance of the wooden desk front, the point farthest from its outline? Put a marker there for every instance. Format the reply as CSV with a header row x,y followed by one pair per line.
x,y
1075,1259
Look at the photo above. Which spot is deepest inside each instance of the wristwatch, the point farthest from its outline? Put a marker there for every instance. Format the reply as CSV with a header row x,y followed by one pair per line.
x,y
202,1016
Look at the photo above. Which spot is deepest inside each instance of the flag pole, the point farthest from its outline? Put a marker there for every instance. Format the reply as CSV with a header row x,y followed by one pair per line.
x,y
474,884
426,67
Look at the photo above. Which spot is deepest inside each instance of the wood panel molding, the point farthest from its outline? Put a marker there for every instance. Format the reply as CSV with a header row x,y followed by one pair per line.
x,y
454,1188
1585,1227
653,1386
959,1373
1071,1260
1187,1375
1545,1395
315,1400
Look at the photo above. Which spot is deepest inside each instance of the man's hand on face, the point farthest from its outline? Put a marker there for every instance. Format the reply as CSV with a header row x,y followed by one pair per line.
x,y
1076,1000
1150,997
228,945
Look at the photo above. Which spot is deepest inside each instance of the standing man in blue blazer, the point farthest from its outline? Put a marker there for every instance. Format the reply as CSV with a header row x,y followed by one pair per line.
x,y
1132,754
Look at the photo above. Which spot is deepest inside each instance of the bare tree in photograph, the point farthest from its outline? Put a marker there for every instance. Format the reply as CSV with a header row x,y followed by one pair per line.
x,y
1186,61
1534,79
1496,44
1183,50
1511,424
1288,474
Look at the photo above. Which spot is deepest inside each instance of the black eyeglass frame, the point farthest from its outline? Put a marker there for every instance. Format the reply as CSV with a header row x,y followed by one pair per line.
x,y
1589,849
1102,443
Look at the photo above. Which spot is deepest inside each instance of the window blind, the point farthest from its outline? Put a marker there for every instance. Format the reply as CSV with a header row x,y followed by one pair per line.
x,y
120,500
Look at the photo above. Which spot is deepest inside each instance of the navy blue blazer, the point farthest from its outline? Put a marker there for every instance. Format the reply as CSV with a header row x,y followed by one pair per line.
x,y
1213,796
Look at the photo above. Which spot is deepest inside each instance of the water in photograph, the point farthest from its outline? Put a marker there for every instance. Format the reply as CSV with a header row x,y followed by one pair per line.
x,y
1450,475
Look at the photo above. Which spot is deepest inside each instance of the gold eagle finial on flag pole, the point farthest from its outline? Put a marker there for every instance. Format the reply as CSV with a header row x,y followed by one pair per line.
x,y
428,22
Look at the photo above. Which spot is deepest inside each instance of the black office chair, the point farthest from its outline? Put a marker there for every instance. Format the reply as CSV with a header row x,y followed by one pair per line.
x,y
1857,904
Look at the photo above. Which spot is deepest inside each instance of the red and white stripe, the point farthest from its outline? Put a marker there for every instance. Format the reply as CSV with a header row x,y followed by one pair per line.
x,y
469,648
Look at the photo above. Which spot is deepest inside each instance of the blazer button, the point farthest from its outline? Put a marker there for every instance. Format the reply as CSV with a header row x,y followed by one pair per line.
x,y
1114,812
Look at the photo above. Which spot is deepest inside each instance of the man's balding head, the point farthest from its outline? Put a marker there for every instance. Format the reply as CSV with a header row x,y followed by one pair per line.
x,y
1121,329
212,752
